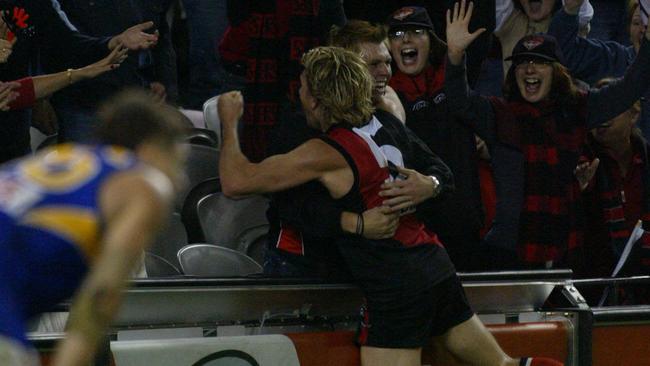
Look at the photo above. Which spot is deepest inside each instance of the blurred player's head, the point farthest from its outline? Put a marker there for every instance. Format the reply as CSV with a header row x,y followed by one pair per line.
x,y
154,131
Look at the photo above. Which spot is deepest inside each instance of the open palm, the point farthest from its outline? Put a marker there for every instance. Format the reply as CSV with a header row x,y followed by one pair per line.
x,y
458,35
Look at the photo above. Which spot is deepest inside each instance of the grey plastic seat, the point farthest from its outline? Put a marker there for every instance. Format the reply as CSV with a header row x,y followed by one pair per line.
x,y
224,221
157,266
207,260
202,164
211,117
172,238
252,242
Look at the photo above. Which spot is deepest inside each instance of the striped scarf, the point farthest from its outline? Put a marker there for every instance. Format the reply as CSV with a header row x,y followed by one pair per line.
x,y
614,213
550,137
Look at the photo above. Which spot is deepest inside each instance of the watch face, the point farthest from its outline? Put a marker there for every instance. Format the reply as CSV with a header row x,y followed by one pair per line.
x,y
436,185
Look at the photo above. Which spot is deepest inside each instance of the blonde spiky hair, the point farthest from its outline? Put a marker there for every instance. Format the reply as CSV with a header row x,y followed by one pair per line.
x,y
339,80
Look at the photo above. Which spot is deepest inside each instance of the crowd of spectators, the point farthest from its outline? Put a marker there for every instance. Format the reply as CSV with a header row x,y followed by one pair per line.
x,y
526,182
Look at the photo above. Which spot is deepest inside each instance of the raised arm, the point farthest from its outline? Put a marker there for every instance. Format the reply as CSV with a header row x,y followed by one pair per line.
x,y
588,59
134,212
314,159
615,98
472,110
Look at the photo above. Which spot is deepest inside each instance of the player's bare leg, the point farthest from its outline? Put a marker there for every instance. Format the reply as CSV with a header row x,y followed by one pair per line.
x,y
374,356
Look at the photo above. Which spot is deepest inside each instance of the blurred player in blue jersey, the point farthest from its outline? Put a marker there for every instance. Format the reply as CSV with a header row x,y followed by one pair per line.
x,y
74,220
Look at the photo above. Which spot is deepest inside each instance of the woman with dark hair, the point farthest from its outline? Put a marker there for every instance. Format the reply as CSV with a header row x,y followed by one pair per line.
x,y
547,119
418,80
419,55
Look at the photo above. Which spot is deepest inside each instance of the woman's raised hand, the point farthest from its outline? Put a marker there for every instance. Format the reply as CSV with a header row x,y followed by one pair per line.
x,y
458,35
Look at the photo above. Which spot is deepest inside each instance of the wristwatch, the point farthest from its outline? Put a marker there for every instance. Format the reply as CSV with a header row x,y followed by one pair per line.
x,y
436,185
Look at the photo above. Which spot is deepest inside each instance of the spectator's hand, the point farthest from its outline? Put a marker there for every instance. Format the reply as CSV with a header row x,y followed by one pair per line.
x,y
458,35
8,94
379,223
584,172
408,192
230,108
110,62
573,6
159,91
135,38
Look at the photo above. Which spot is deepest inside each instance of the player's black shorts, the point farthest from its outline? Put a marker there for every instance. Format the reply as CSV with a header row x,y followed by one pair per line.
x,y
412,293
410,323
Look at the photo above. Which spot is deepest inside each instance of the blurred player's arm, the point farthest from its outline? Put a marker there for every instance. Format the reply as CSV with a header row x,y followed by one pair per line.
x,y
134,208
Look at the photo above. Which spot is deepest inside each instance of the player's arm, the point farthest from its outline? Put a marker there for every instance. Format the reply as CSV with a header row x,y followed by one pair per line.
x,y
314,159
134,209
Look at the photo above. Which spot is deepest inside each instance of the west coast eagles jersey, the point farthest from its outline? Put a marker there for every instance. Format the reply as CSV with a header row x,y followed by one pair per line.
x,y
50,226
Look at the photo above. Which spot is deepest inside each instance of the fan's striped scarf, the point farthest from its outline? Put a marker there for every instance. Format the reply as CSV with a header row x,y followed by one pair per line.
x,y
614,214
551,138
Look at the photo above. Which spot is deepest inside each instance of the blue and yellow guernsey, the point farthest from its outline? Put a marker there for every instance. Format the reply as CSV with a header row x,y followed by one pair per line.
x,y
50,227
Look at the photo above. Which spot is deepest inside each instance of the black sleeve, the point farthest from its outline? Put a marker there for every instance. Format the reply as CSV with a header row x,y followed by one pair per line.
x,y
415,152
63,44
423,160
612,100
164,56
471,109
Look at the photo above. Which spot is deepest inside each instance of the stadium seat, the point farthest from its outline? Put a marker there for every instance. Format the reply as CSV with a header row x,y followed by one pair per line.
x,y
206,260
202,136
224,221
157,266
211,117
195,118
252,242
170,240
202,164
190,212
